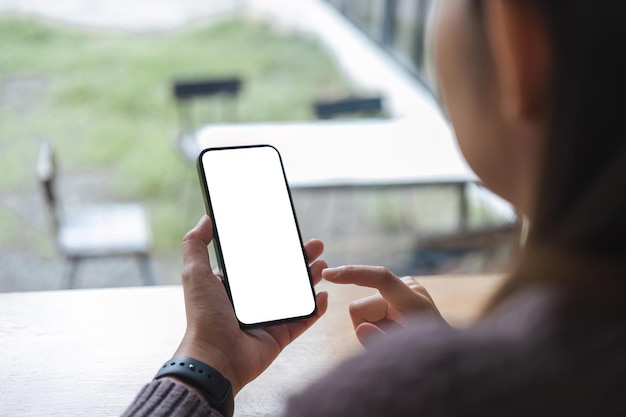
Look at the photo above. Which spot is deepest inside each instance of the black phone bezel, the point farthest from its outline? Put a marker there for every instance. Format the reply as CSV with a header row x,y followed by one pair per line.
x,y
218,249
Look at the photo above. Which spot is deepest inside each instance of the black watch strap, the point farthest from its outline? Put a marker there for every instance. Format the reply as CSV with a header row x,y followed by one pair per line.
x,y
212,384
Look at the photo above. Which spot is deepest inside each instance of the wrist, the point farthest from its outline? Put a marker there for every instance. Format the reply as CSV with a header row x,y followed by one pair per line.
x,y
211,357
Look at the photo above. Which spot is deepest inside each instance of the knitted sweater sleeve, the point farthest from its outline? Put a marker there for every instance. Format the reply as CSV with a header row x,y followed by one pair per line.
x,y
165,397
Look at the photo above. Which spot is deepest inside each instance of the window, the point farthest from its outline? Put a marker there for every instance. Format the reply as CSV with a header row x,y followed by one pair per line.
x,y
409,30
369,15
396,25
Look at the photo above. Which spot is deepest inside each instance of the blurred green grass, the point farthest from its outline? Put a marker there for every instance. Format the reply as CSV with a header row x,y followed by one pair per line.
x,y
103,99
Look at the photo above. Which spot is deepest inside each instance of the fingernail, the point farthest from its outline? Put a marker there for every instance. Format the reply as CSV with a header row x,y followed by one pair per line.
x,y
202,220
330,272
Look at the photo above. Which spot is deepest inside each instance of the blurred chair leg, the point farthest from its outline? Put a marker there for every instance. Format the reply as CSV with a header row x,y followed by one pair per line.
x,y
146,269
71,269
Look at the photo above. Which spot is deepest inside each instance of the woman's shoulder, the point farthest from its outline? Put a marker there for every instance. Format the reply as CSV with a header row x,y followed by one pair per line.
x,y
535,355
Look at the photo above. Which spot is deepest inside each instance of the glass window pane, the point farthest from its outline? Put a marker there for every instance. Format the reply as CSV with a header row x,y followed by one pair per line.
x,y
408,41
369,14
337,3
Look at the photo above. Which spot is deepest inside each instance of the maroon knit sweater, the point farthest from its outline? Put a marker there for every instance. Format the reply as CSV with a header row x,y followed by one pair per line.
x,y
538,356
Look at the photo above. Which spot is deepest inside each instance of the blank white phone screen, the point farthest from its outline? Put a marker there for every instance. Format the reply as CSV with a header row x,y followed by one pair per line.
x,y
261,248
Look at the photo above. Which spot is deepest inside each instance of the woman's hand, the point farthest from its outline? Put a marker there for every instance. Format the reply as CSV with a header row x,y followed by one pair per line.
x,y
213,335
397,299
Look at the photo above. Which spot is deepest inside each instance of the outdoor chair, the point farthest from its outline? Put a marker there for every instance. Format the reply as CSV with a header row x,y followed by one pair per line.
x,y
187,93
349,106
93,231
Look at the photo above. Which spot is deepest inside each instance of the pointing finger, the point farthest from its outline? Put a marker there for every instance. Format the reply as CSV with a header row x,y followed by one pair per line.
x,y
393,289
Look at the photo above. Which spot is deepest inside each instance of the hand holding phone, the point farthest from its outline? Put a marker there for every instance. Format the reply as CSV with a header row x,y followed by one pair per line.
x,y
213,335
247,196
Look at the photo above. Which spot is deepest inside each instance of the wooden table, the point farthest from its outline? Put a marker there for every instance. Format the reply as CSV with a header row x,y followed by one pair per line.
x,y
88,352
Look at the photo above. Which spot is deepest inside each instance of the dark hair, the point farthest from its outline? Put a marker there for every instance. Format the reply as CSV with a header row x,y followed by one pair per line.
x,y
580,208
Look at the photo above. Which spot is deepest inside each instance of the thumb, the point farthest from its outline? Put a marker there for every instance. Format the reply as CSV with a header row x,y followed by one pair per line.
x,y
196,241
196,263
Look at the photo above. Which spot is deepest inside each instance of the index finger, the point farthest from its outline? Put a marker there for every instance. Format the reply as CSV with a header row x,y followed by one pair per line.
x,y
392,288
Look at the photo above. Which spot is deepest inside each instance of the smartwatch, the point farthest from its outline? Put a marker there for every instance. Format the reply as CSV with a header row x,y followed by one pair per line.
x,y
206,379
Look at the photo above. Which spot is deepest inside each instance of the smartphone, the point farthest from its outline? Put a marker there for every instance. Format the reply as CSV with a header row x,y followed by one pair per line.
x,y
256,236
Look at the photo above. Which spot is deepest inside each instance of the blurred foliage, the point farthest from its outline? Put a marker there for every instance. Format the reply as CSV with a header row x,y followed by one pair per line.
x,y
104,100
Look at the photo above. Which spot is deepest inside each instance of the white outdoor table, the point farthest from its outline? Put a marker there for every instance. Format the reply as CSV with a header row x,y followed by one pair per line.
x,y
353,152
358,153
